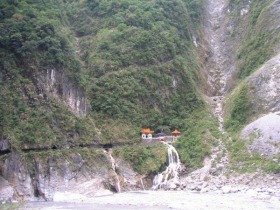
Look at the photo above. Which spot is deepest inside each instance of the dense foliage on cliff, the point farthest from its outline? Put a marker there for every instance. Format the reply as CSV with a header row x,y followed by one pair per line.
x,y
258,36
34,38
260,42
135,60
140,59
142,67
138,56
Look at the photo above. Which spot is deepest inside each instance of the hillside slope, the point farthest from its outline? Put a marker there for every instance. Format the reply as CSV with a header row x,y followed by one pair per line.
x,y
257,35
78,77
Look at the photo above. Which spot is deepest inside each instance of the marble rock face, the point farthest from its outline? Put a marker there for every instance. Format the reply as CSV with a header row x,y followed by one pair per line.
x,y
263,135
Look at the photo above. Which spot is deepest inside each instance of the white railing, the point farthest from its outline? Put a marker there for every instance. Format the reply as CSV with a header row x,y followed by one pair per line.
x,y
168,139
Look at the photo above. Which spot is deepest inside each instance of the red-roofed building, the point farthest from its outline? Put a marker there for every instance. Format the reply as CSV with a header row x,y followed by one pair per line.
x,y
146,133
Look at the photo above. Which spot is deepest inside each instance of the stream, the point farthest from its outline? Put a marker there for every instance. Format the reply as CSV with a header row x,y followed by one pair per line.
x,y
169,177
115,176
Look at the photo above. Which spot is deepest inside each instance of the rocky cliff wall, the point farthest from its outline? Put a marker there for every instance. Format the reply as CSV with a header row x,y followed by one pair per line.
x,y
56,84
258,36
265,86
46,175
217,53
263,134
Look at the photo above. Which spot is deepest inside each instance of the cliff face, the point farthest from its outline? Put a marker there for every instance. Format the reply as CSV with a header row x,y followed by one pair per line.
x,y
264,82
265,89
257,37
217,45
262,134
44,175
56,84
78,75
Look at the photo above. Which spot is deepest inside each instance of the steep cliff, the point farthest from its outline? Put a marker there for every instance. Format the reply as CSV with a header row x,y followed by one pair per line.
x,y
251,104
78,77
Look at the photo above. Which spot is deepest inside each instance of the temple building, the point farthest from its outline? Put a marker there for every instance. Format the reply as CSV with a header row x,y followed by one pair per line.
x,y
146,133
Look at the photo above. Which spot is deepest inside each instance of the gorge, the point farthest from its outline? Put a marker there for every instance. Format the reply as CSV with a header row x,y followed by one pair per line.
x,y
79,79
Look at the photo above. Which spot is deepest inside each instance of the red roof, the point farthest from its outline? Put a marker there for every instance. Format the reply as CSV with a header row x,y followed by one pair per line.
x,y
176,132
146,131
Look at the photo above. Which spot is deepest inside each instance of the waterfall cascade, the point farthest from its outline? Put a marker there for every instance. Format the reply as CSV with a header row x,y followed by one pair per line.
x,y
170,175
141,180
115,175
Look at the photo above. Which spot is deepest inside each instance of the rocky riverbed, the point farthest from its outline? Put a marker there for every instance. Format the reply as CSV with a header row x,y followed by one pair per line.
x,y
162,200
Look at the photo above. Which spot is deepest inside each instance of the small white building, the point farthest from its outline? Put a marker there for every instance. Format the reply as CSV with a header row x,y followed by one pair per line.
x,y
146,133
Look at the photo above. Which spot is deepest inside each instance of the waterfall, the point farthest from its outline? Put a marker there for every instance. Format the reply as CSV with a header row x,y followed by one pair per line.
x,y
170,175
115,175
142,184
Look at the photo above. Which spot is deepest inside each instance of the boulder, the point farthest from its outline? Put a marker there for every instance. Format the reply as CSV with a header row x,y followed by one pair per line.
x,y
226,189
263,135
171,186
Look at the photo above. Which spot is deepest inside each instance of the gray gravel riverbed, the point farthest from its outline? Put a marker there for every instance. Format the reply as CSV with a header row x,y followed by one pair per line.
x,y
162,200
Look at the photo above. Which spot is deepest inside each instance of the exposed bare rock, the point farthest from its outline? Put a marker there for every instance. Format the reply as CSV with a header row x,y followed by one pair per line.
x,y
58,85
265,86
4,144
129,179
15,172
226,189
50,177
6,191
219,65
263,135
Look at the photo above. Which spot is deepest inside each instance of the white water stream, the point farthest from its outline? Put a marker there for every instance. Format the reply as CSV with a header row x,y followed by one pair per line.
x,y
170,175
142,184
115,176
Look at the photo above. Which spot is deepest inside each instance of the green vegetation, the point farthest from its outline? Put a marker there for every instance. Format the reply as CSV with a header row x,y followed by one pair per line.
x,y
259,43
11,206
137,65
140,60
75,158
40,123
144,160
33,39
255,51
134,59
199,130
242,161
196,141
241,112
241,109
